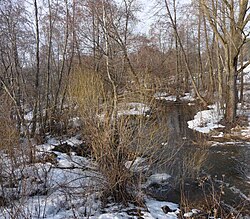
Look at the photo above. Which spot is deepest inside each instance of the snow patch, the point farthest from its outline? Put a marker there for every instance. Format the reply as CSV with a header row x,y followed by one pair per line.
x,y
130,109
158,178
137,165
187,97
207,120
155,210
167,98
172,98
133,109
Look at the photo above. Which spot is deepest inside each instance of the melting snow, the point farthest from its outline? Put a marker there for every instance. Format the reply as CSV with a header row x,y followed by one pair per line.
x,y
137,165
159,178
155,209
68,189
207,120
133,109
172,98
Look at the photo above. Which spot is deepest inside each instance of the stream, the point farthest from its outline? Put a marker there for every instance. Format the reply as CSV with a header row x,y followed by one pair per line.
x,y
219,164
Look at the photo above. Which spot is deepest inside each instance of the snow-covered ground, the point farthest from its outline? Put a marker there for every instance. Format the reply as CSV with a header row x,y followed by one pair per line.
x,y
133,109
68,188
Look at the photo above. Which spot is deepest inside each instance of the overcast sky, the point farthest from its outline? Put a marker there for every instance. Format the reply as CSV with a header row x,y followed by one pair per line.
x,y
147,13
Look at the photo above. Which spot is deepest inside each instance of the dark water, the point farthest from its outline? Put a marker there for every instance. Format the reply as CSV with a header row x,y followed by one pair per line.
x,y
231,160
227,163
174,116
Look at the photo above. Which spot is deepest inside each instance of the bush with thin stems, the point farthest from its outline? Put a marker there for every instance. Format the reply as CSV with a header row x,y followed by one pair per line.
x,y
115,140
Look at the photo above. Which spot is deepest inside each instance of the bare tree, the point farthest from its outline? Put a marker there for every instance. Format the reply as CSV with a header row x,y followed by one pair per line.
x,y
37,77
232,36
184,53
15,34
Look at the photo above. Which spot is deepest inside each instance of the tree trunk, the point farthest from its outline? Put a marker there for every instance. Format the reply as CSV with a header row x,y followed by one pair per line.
x,y
241,79
231,102
37,92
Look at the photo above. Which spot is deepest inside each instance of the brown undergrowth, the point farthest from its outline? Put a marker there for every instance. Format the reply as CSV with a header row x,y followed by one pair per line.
x,y
118,143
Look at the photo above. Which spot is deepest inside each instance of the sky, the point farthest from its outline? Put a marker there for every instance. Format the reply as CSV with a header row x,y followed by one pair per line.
x,y
147,12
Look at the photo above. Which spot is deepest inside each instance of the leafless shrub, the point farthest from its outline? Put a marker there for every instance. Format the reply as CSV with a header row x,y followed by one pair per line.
x,y
117,146
8,132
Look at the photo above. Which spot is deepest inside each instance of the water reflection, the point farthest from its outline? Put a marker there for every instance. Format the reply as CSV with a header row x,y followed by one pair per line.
x,y
175,116
231,160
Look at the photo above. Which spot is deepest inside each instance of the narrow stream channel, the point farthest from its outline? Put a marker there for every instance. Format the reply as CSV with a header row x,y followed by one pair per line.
x,y
227,163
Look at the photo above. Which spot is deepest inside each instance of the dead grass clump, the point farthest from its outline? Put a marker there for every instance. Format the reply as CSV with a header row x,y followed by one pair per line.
x,y
11,154
117,141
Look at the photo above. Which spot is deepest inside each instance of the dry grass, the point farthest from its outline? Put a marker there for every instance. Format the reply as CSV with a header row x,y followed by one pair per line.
x,y
208,199
113,144
13,155
8,131
86,89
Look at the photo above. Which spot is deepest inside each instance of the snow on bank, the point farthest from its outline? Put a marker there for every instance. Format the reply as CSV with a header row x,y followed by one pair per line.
x,y
207,120
158,178
133,109
130,109
172,98
246,132
164,96
187,97
138,165
155,210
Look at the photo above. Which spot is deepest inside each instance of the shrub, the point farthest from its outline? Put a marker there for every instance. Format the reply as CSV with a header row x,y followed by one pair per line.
x,y
114,140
